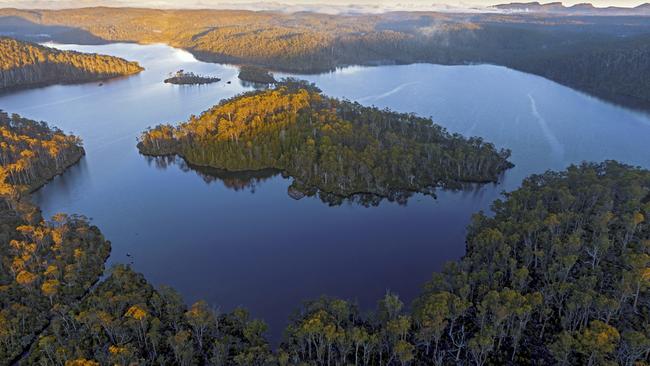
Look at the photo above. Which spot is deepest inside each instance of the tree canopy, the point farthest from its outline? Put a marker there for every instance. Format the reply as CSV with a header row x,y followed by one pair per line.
x,y
44,265
24,64
558,273
330,147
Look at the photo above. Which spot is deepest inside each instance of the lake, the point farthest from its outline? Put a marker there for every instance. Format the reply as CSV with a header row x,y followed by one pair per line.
x,y
241,240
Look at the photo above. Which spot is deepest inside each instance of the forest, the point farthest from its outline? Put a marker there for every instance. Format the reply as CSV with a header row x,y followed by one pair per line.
x,y
25,64
601,55
45,265
557,273
330,147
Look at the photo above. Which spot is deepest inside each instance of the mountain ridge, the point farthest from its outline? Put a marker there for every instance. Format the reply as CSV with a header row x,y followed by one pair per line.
x,y
578,9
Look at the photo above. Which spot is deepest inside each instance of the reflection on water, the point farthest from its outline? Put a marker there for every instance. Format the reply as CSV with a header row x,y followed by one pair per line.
x,y
237,181
249,180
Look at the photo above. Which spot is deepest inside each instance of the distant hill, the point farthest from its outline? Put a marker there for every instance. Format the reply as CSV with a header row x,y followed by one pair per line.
x,y
25,64
549,40
577,9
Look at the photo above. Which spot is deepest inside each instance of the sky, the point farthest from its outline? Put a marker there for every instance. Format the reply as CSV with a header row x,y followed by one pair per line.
x,y
295,5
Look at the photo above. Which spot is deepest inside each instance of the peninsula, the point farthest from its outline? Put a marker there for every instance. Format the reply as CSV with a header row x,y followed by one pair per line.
x,y
25,64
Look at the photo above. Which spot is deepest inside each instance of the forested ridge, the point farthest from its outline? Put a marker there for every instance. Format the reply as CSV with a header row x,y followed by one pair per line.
x,y
582,52
24,64
588,69
331,147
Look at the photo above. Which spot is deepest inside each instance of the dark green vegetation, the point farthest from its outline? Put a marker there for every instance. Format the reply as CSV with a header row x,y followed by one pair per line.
x,y
331,147
51,313
256,75
559,274
44,265
24,64
125,321
188,78
603,55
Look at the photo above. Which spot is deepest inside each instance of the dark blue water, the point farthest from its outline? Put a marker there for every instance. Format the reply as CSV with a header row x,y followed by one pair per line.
x,y
241,241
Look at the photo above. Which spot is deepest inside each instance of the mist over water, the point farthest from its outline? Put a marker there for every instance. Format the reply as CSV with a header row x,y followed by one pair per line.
x,y
240,240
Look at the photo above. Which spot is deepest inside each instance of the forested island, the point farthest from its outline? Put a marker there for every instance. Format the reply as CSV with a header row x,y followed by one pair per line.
x,y
183,77
337,149
256,75
24,64
606,56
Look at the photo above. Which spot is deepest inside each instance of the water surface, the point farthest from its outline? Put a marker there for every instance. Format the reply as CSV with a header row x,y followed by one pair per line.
x,y
241,241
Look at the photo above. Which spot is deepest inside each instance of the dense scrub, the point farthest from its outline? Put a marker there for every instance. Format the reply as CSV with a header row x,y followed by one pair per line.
x,y
44,265
598,54
24,64
334,147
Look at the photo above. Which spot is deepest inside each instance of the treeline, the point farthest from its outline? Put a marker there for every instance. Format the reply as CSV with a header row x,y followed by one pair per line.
x,y
125,321
604,56
622,65
256,75
24,64
32,152
560,274
328,146
51,312
44,265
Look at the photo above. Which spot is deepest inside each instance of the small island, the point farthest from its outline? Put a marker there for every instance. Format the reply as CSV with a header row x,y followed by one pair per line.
x,y
182,77
257,75
336,149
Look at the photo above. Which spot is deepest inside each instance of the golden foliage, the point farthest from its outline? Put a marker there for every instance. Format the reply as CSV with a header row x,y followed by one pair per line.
x,y
50,287
28,58
136,312
25,278
115,350
82,362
